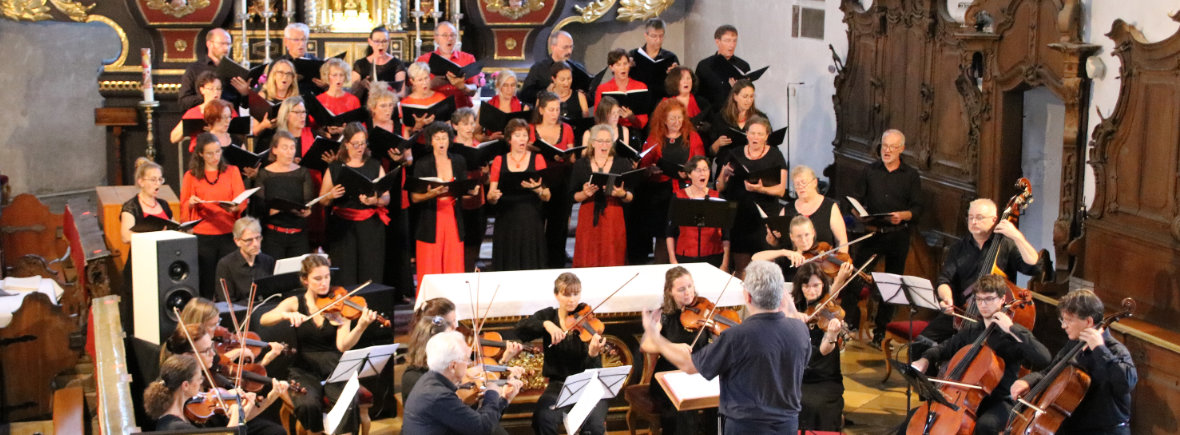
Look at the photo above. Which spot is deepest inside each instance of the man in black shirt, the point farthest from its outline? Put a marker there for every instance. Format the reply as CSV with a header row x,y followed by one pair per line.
x,y
651,62
760,361
248,264
893,187
565,355
217,44
1012,343
434,408
561,45
964,264
295,46
717,73
1106,407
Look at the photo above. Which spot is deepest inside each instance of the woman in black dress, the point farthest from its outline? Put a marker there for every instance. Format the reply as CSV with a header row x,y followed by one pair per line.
x,y
518,239
732,182
378,61
285,182
163,399
824,212
321,340
736,114
573,102
356,226
823,384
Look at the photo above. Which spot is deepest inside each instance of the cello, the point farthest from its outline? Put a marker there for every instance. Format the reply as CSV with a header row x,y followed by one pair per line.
x,y
1059,393
1023,314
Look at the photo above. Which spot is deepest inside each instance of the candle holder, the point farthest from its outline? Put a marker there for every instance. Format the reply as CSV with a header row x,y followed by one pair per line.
x,y
417,14
148,108
267,14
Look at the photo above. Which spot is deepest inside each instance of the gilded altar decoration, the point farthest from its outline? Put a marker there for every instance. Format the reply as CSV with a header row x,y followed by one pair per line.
x,y
636,10
177,8
594,10
514,9
40,10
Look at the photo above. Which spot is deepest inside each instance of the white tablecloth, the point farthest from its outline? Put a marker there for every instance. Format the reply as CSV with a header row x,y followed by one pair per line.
x,y
523,293
18,288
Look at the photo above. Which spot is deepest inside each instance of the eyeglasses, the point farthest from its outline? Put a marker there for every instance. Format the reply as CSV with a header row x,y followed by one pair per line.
x,y
892,147
154,180
986,299
298,112
359,144
803,182
257,238
283,73
380,41
980,217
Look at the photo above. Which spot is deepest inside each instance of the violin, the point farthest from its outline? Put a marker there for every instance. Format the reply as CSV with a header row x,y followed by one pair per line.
x,y
831,260
206,404
225,341
584,323
696,315
821,317
1024,315
1059,393
253,375
493,344
349,307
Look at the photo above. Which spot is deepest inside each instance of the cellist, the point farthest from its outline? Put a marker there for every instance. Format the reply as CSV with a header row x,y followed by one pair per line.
x,y
965,260
1012,343
1106,407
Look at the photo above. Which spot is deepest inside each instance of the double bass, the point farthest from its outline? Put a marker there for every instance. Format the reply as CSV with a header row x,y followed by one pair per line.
x,y
1058,394
1023,314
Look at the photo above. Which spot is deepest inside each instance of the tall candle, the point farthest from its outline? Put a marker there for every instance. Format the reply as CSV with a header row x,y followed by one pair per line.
x,y
145,55
417,5
291,7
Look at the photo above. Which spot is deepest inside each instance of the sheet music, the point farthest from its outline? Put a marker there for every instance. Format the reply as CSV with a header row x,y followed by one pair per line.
x,y
694,386
890,286
351,362
860,209
334,417
245,194
589,397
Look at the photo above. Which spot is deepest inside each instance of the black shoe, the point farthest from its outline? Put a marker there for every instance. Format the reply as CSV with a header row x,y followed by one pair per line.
x,y
876,343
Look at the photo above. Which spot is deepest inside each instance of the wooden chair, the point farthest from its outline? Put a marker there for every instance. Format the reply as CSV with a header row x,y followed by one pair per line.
x,y
898,332
641,406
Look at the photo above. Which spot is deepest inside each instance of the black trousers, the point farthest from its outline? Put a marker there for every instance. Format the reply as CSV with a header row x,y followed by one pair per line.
x,y
546,420
476,223
398,250
281,245
940,328
210,249
357,248
892,248
741,427
557,222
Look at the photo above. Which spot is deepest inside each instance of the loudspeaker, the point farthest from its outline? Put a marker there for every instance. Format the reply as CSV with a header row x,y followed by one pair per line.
x,y
164,275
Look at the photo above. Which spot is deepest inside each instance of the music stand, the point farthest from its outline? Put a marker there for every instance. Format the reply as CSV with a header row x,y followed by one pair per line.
x,y
702,213
916,380
584,390
912,292
365,362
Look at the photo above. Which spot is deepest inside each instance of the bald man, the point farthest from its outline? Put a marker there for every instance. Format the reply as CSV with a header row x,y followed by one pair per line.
x,y
217,45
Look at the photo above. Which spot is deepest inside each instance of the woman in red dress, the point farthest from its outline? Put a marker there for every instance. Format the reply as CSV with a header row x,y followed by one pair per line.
x,y
208,181
672,142
439,235
547,127
680,85
601,238
687,244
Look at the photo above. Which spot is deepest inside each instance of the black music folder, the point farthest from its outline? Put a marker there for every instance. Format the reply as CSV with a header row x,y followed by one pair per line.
x,y
261,108
482,154
322,116
511,180
638,100
314,157
552,152
441,110
752,75
356,182
440,66
455,188
628,180
241,158
148,224
493,119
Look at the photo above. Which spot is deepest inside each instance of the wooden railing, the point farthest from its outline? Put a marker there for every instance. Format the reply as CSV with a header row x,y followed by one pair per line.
x,y
116,413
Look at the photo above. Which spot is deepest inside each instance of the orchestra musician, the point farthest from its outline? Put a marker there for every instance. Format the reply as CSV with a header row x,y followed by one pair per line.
x,y
735,186
149,176
802,234
573,103
823,383
475,221
440,228
461,88
321,339
285,234
241,268
1012,343
561,45
717,72
760,362
652,62
335,73
679,292
518,239
601,237
356,225
620,68
736,112
207,181
218,43
201,311
547,126
378,60
1106,406
163,399
675,141
565,355
684,244
894,187
434,408
964,261
681,85
420,94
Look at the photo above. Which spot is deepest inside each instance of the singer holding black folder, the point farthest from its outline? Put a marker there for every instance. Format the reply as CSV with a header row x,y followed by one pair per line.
x,y
652,61
573,102
547,127
149,176
475,221
717,72
672,142
726,125
608,112
421,95
457,86
280,85
207,181
681,85
356,224
336,73
378,64
601,237
285,187
687,244
439,235
620,68
209,87
518,240
733,183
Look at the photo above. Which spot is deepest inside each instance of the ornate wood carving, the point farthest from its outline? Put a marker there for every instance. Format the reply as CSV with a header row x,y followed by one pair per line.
x,y
1136,159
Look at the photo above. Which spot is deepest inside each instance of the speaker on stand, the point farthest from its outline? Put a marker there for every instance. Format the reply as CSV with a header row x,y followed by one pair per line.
x,y
164,275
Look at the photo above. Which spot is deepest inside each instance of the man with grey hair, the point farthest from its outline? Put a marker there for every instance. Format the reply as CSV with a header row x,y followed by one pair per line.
x,y
243,267
760,361
295,47
434,408
217,45
459,87
561,45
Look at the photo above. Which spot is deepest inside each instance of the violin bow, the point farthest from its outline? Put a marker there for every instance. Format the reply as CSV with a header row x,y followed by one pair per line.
x,y
583,317
342,298
475,319
705,325
230,303
484,319
834,292
242,335
193,345
826,253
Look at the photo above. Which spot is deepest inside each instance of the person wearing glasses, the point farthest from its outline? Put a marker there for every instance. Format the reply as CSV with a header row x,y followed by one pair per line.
x,y
149,176
244,266
218,43
887,186
378,61
207,183
965,259
601,236
460,88
356,223
295,44
1012,343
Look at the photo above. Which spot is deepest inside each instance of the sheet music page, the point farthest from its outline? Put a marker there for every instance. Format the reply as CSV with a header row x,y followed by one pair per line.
x,y
593,392
340,409
694,386
860,209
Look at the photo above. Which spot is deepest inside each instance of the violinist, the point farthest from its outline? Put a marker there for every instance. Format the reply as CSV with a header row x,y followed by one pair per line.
x,y
321,340
434,408
435,316
760,361
180,379
247,264
679,292
823,383
802,236
965,260
1012,343
565,355
1106,406
201,311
